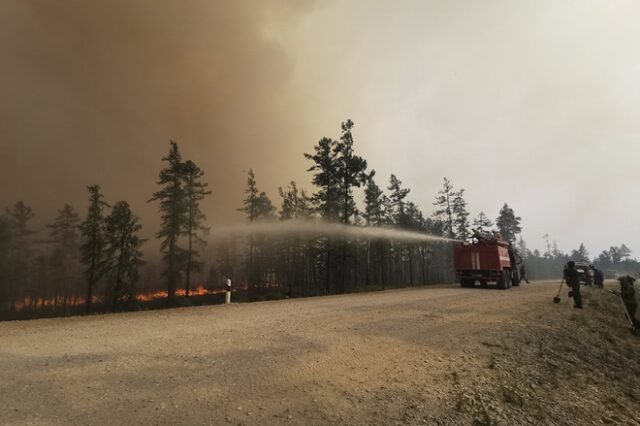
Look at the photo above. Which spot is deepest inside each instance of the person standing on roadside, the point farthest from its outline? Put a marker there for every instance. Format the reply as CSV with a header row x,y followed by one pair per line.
x,y
628,294
571,277
522,274
598,278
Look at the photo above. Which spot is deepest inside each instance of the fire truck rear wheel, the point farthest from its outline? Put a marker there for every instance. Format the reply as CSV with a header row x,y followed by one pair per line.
x,y
504,282
515,278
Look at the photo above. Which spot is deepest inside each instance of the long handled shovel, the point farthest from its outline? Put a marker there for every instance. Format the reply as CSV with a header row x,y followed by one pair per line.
x,y
626,313
557,298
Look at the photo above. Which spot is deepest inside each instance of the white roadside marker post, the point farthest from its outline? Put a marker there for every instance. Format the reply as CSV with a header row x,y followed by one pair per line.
x,y
228,295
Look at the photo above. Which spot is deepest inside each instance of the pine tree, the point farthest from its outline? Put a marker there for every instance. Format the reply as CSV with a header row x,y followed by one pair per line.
x,y
64,229
195,191
250,203
580,254
337,171
19,217
250,209
415,218
174,215
327,198
397,197
5,231
618,254
5,248
445,203
257,207
547,254
64,232
387,208
508,223
296,204
18,269
522,248
374,213
122,253
604,259
400,218
414,221
461,216
91,251
41,288
351,172
265,210
625,251
482,222
326,178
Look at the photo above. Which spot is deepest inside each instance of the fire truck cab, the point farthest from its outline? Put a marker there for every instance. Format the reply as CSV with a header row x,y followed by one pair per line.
x,y
486,261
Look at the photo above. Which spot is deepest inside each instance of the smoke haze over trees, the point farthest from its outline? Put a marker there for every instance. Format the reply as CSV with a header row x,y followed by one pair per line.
x,y
96,263
244,84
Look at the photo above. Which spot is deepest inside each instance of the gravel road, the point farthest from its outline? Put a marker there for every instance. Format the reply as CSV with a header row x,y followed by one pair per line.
x,y
428,355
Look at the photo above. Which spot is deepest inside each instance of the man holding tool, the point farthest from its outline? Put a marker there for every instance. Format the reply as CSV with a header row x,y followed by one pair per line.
x,y
628,296
571,277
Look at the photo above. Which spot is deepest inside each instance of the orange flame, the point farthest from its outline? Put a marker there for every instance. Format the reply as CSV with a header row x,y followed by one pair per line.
x,y
162,294
199,290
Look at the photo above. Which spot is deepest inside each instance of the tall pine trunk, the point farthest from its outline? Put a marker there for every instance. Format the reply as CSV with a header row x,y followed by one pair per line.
x,y
328,266
410,266
189,257
190,234
118,283
171,272
89,300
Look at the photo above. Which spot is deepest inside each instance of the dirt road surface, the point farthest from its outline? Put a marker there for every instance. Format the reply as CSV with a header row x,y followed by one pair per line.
x,y
429,355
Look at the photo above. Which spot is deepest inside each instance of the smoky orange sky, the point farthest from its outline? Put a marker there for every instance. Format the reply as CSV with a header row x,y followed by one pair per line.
x,y
530,103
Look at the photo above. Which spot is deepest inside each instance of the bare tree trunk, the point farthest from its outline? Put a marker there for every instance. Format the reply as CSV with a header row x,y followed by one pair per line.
x,y
422,265
188,272
343,273
190,230
327,280
410,266
367,281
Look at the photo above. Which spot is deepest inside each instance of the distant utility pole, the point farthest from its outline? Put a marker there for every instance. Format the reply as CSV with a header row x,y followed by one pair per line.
x,y
546,238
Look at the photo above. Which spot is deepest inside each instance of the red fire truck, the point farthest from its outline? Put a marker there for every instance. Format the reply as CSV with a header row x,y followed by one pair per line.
x,y
486,261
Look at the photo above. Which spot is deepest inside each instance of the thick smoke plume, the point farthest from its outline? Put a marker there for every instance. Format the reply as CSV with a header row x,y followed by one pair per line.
x,y
92,92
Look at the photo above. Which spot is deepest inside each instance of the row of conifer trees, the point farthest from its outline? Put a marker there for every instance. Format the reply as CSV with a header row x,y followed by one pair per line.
x,y
98,258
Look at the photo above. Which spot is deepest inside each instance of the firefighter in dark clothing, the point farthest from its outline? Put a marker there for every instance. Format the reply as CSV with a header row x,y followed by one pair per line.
x,y
598,278
571,277
628,294
522,274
